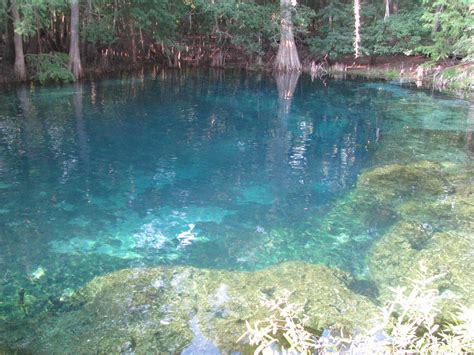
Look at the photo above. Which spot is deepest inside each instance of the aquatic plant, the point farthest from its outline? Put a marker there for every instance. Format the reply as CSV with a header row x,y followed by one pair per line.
x,y
162,309
410,322
415,323
290,321
434,228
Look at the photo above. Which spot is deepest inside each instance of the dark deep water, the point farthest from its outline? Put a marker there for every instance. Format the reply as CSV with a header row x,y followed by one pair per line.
x,y
210,169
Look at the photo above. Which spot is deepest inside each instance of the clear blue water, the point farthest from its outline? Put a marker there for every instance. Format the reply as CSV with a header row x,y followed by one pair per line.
x,y
209,169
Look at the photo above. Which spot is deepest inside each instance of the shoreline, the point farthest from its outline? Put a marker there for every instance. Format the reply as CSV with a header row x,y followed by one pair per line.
x,y
449,80
456,80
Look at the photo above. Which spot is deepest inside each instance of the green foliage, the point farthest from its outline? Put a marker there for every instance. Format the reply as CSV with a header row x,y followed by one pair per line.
x,y
408,324
335,43
302,17
34,14
452,28
437,28
50,67
252,27
458,78
335,14
289,322
100,31
465,45
391,74
336,35
400,33
158,19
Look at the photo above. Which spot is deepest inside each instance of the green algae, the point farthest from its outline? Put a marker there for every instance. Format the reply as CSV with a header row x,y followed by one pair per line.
x,y
420,213
423,216
434,233
152,309
397,181
420,144
421,191
408,251
43,295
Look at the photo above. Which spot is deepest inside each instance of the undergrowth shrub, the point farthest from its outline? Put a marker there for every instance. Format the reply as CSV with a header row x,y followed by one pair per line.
x,y
50,67
452,29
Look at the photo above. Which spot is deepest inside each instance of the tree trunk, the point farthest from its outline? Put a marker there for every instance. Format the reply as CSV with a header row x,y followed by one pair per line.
x,y
395,6
387,9
357,39
133,43
437,22
74,52
287,57
85,23
218,59
20,67
10,46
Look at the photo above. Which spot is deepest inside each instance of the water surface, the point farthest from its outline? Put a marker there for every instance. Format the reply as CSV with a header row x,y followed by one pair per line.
x,y
211,169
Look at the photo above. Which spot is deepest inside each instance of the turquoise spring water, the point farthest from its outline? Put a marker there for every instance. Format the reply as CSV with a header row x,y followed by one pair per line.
x,y
202,168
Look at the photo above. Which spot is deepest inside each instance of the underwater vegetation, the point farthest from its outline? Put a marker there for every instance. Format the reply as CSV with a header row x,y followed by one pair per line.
x,y
435,226
426,211
207,197
151,310
424,225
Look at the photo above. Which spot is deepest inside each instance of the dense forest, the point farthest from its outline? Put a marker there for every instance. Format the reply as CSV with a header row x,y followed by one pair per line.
x,y
60,39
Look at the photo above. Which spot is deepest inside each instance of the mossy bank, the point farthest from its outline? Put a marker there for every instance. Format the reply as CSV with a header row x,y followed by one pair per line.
x,y
453,79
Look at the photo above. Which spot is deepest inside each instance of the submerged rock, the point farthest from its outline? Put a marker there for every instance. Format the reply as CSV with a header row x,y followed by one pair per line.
x,y
395,260
409,217
396,181
412,217
127,312
434,233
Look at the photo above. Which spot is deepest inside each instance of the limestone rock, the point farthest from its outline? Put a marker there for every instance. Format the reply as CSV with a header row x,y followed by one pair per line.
x,y
161,309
